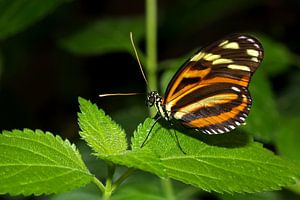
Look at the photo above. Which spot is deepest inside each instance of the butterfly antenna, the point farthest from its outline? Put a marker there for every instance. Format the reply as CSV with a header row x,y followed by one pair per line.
x,y
119,94
137,57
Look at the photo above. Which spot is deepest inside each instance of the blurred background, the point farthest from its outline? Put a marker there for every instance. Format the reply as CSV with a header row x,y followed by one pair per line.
x,y
53,51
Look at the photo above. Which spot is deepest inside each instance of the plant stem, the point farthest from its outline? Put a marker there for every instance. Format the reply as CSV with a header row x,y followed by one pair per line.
x,y
168,188
122,178
108,186
151,45
151,54
99,184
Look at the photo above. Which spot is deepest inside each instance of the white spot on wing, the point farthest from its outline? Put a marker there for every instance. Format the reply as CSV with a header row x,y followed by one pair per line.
x,y
212,130
222,61
198,56
254,59
235,89
256,45
242,118
237,123
252,52
231,45
211,57
239,67
231,127
250,40
220,131
224,42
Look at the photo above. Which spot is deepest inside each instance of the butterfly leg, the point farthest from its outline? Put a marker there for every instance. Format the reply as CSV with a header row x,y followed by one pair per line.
x,y
147,137
178,143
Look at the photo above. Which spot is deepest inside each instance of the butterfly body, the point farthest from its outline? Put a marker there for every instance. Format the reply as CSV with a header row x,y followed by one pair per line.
x,y
210,91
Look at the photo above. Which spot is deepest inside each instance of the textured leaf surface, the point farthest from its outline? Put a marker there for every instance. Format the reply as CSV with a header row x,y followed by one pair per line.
x,y
222,163
33,162
99,131
257,196
104,36
16,15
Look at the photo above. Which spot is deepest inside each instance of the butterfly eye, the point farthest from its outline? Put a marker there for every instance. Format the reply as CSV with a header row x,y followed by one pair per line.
x,y
152,98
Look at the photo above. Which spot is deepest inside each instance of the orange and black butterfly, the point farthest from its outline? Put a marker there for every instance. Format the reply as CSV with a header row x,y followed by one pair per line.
x,y
210,91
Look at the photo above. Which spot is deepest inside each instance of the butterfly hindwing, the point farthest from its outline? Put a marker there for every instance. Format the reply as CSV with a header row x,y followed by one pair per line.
x,y
209,92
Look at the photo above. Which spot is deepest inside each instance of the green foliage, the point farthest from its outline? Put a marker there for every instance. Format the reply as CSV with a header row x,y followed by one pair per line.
x,y
150,189
33,162
277,58
258,124
212,163
104,136
16,15
104,36
287,139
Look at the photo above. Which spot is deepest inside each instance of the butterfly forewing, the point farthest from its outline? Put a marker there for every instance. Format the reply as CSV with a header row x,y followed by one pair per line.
x,y
209,92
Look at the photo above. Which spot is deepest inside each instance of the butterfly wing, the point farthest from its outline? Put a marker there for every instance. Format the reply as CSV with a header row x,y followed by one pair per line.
x,y
209,92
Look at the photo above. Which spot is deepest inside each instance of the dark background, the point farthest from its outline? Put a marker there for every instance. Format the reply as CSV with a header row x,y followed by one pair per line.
x,y
40,81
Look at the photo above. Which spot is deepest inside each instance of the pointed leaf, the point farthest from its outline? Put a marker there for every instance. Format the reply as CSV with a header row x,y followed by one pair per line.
x,y
33,162
100,131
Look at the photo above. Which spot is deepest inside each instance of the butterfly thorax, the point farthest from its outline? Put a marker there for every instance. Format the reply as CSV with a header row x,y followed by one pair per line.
x,y
154,99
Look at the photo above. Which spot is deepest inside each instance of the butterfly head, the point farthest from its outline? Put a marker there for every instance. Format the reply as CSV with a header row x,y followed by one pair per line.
x,y
153,98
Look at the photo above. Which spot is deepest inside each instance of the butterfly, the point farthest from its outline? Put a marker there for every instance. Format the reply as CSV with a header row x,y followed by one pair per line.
x,y
209,92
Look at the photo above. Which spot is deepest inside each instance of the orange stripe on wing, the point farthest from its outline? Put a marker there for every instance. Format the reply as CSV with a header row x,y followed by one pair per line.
x,y
242,82
218,119
187,73
207,102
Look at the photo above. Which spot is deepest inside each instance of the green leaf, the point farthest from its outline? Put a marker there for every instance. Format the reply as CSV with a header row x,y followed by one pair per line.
x,y
103,135
16,15
287,140
256,196
90,192
33,162
263,118
220,163
132,189
277,58
104,36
